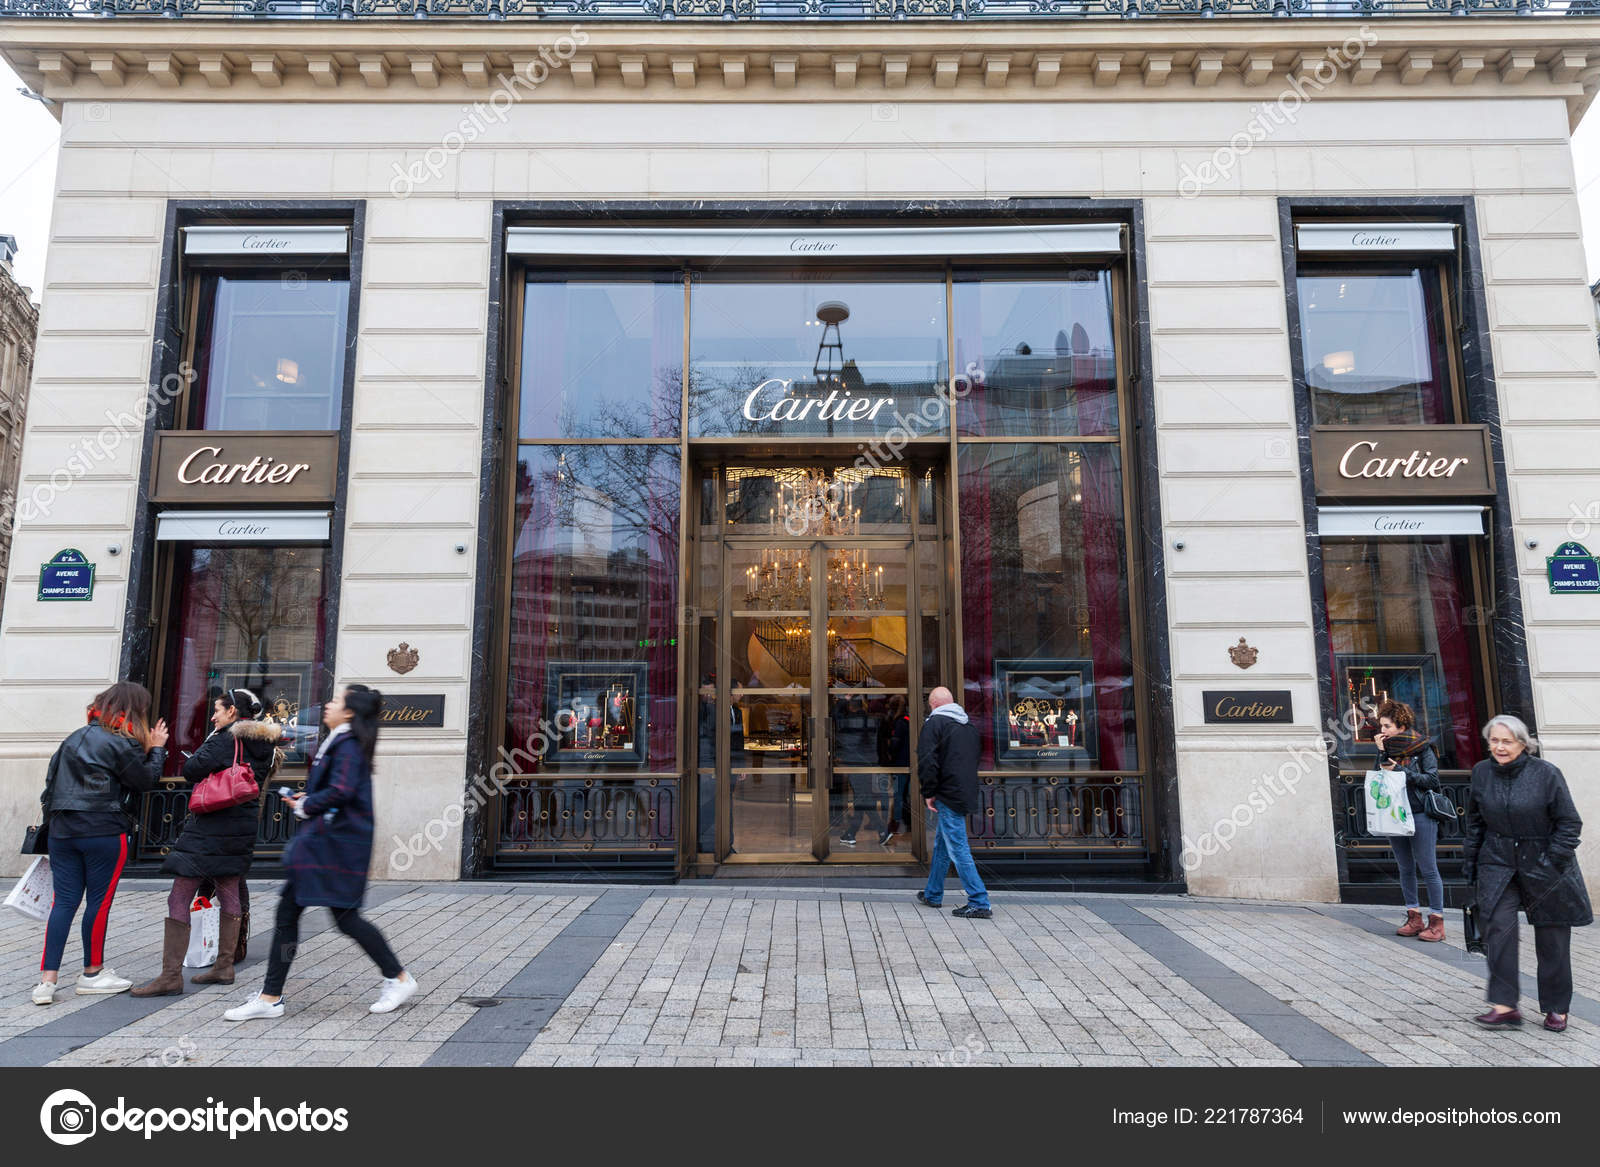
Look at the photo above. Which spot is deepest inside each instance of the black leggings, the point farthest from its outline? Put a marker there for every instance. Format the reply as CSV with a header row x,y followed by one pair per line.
x,y
286,939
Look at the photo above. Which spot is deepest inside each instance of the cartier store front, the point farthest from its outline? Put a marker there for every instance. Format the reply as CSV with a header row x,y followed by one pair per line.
x,y
1405,487
242,487
768,493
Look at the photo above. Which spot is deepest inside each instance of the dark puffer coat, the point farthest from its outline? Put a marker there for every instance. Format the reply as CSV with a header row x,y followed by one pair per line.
x,y
328,857
1523,827
223,843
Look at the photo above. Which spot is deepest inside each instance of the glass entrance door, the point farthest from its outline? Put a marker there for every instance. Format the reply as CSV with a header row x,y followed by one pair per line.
x,y
817,687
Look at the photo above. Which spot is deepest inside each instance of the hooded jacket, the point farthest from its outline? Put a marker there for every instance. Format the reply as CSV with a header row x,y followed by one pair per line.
x,y
947,759
223,843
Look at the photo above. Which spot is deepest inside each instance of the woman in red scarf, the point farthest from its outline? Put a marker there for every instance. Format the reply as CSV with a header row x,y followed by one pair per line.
x,y
1401,747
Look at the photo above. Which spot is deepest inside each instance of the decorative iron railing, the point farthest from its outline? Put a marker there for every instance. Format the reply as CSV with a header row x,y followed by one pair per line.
x,y
1059,812
567,11
571,816
166,808
1354,832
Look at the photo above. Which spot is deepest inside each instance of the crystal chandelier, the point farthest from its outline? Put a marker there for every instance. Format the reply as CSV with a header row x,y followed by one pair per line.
x,y
810,503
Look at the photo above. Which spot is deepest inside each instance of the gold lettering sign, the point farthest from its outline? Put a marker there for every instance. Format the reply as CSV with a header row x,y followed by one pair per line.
x,y
414,710
1248,706
1416,461
208,467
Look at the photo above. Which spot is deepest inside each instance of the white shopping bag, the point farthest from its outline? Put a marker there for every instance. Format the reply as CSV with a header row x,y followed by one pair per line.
x,y
35,891
205,919
1388,808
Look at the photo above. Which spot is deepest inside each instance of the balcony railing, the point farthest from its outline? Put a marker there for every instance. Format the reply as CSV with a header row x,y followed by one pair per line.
x,y
567,11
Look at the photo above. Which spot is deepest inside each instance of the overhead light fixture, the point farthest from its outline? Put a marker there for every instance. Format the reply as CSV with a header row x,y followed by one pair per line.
x,y
288,371
1340,362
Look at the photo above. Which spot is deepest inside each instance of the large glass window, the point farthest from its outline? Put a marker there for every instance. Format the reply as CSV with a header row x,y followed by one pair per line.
x,y
1374,346
270,351
792,355
603,358
1046,353
1044,594
1402,624
594,581
247,617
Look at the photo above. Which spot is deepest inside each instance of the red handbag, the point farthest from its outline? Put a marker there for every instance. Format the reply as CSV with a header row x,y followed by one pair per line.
x,y
234,786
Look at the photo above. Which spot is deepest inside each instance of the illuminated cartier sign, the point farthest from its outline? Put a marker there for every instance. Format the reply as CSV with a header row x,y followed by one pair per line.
x,y
211,467
837,405
1419,461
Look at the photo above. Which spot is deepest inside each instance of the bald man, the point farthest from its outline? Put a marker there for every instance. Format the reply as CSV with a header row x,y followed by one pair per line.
x,y
947,771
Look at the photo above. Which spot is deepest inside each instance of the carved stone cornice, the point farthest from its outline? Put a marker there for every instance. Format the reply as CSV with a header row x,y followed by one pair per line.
x,y
844,61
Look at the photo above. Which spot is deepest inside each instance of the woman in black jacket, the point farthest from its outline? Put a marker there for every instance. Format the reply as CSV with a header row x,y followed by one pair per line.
x,y
1403,748
116,754
217,846
1521,851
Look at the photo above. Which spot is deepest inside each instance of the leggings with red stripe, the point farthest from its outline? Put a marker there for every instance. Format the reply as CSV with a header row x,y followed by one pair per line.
x,y
92,864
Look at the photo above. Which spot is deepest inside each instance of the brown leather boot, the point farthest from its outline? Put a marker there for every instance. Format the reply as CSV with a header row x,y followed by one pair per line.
x,y
1434,930
221,973
1412,926
174,943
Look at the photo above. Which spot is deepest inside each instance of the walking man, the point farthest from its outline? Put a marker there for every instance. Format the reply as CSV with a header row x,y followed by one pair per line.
x,y
947,770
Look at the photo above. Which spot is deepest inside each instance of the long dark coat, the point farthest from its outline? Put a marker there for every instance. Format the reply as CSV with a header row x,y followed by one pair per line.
x,y
1522,826
328,857
223,843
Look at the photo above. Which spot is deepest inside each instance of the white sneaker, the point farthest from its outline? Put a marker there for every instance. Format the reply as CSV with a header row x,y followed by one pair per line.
x,y
255,1008
44,993
395,994
104,981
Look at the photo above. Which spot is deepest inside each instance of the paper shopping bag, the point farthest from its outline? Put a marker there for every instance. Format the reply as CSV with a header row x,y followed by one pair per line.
x,y
35,891
1388,808
205,923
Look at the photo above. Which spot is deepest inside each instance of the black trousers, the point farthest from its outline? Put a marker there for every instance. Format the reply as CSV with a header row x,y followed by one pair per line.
x,y
1552,944
286,939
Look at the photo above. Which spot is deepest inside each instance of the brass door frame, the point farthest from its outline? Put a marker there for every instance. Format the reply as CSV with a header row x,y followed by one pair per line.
x,y
820,762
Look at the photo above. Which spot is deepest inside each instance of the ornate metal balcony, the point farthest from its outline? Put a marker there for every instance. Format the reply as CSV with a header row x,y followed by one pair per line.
x,y
568,11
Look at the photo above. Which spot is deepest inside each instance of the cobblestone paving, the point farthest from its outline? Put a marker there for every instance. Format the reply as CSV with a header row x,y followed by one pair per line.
x,y
709,975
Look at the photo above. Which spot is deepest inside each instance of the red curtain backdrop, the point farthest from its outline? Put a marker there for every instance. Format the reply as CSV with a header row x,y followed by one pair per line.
x,y
1455,655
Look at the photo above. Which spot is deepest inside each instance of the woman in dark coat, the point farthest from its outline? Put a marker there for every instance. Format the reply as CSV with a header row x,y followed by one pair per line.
x,y
1403,748
327,861
217,846
1520,851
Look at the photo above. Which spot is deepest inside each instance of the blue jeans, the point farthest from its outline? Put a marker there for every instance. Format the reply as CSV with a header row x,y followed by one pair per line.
x,y
950,846
1419,851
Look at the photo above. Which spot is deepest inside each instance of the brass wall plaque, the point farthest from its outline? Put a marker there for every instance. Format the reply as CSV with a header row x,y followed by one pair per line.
x,y
254,468
1403,461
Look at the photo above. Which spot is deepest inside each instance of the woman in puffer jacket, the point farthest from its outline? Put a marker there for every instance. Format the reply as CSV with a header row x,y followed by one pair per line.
x,y
217,846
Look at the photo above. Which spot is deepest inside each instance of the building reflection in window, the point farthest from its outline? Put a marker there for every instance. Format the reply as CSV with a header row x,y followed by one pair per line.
x,y
1046,352
594,584
271,350
250,617
1373,346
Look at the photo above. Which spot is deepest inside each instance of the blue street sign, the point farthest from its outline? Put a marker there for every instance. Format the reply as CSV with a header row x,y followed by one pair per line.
x,y
69,576
1573,571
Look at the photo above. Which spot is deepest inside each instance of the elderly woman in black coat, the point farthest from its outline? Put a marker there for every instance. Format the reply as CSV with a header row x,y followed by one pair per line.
x,y
1520,850
217,846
